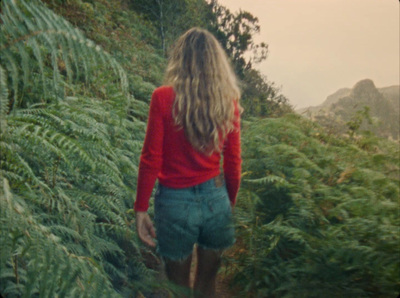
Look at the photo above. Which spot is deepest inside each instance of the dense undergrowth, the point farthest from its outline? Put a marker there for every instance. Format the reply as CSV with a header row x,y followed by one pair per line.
x,y
317,215
70,140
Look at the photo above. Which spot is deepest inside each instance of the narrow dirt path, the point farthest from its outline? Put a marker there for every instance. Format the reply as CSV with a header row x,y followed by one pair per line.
x,y
222,287
153,262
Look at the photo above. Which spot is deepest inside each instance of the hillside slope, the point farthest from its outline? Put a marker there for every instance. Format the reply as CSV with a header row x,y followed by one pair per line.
x,y
312,220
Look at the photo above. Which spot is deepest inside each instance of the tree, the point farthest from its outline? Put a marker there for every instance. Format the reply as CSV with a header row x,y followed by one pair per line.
x,y
355,122
171,17
235,31
261,97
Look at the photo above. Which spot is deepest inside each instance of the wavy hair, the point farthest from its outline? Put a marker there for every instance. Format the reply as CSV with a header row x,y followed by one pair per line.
x,y
205,87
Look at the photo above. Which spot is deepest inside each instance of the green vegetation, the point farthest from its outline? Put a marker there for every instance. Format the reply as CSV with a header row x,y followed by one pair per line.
x,y
324,213
70,138
318,214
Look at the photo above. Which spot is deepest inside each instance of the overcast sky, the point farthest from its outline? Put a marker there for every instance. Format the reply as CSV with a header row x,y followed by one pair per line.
x,y
319,46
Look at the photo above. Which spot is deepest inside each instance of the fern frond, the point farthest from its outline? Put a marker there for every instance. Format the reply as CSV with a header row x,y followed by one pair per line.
x,y
3,100
46,34
270,179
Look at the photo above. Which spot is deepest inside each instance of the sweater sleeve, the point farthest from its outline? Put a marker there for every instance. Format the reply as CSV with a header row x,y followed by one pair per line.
x,y
232,163
151,157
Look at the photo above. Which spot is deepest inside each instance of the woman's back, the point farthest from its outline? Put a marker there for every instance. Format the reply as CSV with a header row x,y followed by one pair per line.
x,y
169,156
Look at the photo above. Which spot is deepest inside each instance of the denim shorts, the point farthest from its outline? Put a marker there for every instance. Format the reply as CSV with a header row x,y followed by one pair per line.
x,y
199,214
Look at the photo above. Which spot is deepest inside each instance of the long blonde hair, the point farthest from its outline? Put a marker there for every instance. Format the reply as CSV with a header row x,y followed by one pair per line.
x,y
205,87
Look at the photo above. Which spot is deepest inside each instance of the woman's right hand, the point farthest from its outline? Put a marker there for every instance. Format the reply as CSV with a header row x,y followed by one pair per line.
x,y
145,228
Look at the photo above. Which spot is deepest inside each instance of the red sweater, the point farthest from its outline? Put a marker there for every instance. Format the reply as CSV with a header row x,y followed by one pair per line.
x,y
169,156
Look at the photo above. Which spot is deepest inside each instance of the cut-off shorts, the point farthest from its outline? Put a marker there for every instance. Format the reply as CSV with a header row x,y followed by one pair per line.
x,y
199,214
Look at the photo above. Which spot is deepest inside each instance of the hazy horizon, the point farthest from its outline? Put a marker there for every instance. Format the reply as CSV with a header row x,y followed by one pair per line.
x,y
317,47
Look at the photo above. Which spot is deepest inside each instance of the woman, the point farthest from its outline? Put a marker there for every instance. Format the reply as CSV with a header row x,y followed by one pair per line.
x,y
193,119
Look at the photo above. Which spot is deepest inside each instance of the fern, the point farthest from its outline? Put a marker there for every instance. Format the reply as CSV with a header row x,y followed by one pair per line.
x,y
38,38
3,100
68,163
323,222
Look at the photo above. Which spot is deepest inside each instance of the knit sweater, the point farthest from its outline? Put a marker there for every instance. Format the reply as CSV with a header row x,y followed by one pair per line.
x,y
169,156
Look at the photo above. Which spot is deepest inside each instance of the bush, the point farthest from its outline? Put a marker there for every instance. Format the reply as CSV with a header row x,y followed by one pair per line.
x,y
320,213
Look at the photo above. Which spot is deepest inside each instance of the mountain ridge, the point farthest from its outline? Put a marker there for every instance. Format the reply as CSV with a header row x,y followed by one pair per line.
x,y
387,91
341,107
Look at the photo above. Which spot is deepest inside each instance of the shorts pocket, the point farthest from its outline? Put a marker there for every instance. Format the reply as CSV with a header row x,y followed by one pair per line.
x,y
173,220
218,229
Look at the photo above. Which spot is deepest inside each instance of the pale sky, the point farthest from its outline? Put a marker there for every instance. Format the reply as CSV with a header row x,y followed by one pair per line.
x,y
319,46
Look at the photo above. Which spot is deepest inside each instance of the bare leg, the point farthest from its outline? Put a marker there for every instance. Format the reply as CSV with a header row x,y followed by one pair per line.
x,y
179,271
208,263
